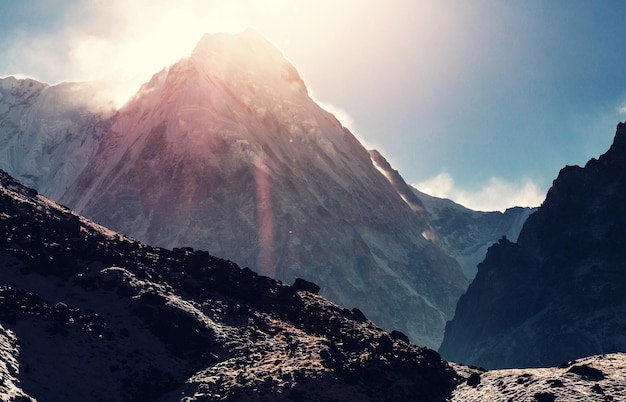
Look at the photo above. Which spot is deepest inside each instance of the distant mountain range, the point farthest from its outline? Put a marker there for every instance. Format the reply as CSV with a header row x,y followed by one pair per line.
x,y
225,151
559,292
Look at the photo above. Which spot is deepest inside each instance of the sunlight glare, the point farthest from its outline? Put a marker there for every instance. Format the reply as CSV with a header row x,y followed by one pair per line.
x,y
150,35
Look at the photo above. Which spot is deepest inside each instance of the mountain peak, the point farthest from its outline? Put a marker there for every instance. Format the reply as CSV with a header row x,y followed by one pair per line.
x,y
245,47
619,142
248,53
565,271
248,36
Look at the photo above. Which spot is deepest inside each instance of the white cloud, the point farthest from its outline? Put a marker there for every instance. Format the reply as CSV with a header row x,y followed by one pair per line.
x,y
495,195
622,108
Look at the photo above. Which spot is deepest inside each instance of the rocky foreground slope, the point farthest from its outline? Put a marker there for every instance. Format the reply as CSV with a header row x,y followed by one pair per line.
x,y
559,293
593,378
87,314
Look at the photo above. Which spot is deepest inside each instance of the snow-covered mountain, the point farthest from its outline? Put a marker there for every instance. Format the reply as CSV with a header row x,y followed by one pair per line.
x,y
465,234
48,133
226,151
559,293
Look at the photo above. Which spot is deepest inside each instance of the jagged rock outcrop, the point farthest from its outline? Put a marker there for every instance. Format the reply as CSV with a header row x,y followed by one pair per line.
x,y
559,293
226,151
87,314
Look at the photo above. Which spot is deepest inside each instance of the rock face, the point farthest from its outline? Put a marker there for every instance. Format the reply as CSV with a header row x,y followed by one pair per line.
x,y
463,233
226,151
560,292
48,133
87,314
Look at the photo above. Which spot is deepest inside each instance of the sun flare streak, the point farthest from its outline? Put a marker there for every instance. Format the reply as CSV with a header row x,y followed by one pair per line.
x,y
265,223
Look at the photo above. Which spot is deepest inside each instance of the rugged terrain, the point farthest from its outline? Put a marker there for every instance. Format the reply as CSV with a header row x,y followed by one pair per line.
x,y
593,378
226,151
559,293
87,314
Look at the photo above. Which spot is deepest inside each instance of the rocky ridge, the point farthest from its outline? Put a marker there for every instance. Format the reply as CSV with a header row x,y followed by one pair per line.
x,y
466,234
559,293
88,314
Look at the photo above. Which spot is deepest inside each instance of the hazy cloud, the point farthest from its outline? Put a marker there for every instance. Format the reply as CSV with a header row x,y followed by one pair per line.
x,y
124,43
495,195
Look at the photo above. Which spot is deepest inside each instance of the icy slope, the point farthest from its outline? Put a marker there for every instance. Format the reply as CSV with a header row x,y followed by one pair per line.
x,y
467,234
226,151
48,133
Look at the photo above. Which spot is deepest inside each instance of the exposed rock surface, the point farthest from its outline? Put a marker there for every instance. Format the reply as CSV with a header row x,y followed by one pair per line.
x,y
226,151
87,314
596,378
559,293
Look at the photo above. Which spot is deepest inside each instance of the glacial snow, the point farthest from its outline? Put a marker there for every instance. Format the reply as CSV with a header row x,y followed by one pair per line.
x,y
48,133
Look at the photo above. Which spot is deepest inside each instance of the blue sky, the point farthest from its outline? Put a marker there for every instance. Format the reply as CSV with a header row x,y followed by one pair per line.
x,y
479,101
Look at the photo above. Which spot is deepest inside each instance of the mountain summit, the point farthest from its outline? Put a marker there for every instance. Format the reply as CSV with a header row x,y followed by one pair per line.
x,y
226,151
242,58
